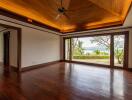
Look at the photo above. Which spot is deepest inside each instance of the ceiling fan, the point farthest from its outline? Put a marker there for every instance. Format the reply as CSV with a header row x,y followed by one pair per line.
x,y
62,10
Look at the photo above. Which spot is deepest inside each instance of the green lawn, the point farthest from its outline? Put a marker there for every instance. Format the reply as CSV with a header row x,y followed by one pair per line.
x,y
98,61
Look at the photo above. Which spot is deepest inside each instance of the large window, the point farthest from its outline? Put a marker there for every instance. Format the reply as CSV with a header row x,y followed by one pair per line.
x,y
97,49
91,49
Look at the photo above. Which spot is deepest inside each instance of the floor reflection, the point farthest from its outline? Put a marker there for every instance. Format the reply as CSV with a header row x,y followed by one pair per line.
x,y
85,79
68,81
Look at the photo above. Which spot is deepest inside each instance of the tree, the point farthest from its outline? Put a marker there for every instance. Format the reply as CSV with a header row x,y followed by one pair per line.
x,y
105,41
77,46
102,41
97,52
80,48
119,55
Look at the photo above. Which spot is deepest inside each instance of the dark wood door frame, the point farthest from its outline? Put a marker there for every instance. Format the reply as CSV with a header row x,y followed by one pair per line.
x,y
126,49
6,46
70,49
112,51
19,39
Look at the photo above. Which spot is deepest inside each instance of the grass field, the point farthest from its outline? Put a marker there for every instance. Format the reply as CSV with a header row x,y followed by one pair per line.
x,y
98,61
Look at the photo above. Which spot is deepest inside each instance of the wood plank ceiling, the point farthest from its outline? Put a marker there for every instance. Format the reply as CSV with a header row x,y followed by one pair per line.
x,y
78,14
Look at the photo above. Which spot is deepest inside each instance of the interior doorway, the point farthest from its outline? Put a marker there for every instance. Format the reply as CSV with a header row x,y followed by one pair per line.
x,y
10,48
6,47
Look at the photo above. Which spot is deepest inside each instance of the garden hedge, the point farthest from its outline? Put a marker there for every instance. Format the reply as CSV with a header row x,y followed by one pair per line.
x,y
92,57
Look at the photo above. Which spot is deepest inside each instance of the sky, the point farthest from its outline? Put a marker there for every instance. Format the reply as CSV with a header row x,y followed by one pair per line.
x,y
87,43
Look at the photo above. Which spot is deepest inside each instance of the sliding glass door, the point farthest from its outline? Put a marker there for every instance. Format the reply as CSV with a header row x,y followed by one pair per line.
x,y
98,49
119,42
94,49
67,49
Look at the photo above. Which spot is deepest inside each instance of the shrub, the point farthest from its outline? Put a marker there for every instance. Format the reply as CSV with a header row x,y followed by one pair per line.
x,y
92,57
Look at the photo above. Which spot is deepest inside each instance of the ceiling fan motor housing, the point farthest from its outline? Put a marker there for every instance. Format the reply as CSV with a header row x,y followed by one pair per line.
x,y
61,10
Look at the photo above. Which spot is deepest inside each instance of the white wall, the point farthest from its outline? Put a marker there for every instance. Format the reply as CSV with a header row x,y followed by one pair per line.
x,y
38,45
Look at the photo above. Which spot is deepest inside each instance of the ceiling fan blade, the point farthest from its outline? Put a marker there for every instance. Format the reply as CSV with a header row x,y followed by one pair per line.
x,y
58,16
66,16
66,4
61,3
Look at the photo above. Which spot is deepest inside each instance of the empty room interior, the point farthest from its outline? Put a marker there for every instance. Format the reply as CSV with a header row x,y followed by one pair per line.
x,y
65,49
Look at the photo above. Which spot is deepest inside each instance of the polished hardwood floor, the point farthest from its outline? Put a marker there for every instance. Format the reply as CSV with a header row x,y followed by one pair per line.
x,y
67,81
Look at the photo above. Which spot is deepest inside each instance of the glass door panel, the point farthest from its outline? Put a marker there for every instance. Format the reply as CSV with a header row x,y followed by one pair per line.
x,y
119,50
67,49
94,49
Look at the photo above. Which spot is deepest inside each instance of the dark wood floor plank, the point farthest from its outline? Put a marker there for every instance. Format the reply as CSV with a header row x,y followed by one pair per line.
x,y
67,81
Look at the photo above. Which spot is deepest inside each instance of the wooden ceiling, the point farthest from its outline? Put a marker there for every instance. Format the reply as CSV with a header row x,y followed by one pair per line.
x,y
80,14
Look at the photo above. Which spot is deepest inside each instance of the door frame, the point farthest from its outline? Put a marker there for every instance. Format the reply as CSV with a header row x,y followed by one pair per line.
x,y
126,49
19,40
6,49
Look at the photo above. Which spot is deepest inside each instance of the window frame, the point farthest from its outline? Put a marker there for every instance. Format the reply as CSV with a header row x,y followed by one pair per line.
x,y
126,49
